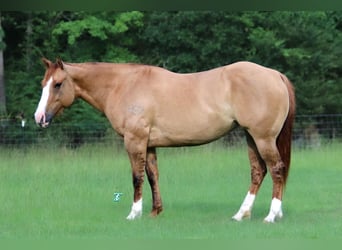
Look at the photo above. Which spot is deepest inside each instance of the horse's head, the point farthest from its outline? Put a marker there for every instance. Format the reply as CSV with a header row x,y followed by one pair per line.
x,y
58,92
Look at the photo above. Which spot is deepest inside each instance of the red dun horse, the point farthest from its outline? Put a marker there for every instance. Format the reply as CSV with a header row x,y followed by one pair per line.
x,y
152,107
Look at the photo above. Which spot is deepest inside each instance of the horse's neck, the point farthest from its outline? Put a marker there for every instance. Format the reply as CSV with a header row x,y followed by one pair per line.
x,y
93,82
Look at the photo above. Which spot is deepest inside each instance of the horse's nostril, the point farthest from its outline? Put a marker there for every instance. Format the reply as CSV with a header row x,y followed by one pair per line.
x,y
48,117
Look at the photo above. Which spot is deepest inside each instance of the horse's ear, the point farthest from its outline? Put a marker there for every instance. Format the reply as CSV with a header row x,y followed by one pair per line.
x,y
60,63
46,62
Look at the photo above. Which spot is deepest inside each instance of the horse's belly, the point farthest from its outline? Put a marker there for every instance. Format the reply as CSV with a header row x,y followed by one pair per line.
x,y
189,133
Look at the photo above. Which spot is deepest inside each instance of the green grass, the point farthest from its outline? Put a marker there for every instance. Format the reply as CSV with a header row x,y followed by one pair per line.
x,y
68,194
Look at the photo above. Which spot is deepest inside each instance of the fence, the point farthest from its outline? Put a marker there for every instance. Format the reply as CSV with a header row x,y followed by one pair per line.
x,y
309,131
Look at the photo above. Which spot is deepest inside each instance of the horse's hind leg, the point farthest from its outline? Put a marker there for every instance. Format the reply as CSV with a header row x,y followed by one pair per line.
x,y
258,172
269,152
153,175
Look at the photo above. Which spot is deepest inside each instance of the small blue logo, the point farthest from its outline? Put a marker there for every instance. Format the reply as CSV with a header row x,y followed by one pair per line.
x,y
117,197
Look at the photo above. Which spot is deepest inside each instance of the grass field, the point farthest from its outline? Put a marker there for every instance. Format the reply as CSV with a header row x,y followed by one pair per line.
x,y
68,194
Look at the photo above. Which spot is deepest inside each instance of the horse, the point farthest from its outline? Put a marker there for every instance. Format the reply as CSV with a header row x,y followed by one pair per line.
x,y
152,107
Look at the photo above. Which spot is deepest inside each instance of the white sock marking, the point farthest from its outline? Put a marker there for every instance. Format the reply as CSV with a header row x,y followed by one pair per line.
x,y
41,109
246,207
275,211
136,210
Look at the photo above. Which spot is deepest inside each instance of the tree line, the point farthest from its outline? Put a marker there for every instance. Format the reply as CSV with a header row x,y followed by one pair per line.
x,y
305,45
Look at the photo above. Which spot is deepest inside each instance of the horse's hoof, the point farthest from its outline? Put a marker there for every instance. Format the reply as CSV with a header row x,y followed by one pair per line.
x,y
156,211
240,216
134,215
268,221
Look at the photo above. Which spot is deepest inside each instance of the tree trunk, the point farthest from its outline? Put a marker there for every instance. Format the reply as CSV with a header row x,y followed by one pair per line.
x,y
2,79
28,42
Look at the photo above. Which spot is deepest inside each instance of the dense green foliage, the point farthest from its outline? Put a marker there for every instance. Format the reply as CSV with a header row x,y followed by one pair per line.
x,y
306,46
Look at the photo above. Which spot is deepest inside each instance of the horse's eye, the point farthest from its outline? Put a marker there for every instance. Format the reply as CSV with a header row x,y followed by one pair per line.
x,y
58,85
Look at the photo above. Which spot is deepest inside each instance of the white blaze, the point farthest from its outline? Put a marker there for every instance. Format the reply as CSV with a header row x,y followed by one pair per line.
x,y
41,109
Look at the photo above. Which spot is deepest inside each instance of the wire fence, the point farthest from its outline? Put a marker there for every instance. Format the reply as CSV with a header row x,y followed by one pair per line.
x,y
309,131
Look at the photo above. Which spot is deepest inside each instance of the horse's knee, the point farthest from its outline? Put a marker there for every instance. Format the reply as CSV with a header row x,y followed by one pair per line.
x,y
138,180
152,173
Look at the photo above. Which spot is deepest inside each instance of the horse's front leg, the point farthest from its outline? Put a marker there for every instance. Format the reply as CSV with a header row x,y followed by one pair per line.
x,y
136,148
153,175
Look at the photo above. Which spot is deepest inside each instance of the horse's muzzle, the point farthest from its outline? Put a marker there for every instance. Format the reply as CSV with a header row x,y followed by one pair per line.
x,y
44,120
